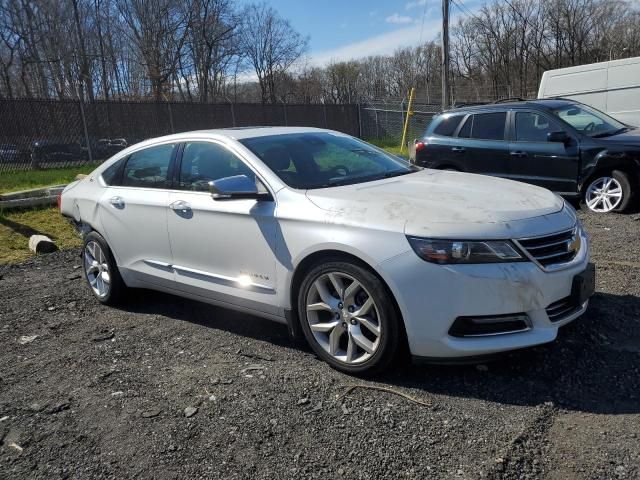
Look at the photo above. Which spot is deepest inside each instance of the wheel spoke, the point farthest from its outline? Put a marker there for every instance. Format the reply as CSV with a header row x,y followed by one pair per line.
x,y
318,306
362,341
324,293
334,339
351,348
616,192
325,327
106,278
351,290
337,285
607,203
591,203
365,308
369,325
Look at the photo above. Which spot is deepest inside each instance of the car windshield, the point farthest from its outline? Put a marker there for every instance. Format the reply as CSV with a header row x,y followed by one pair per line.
x,y
589,120
322,159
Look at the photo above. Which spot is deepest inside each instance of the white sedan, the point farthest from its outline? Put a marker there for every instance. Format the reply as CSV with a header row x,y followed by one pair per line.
x,y
352,247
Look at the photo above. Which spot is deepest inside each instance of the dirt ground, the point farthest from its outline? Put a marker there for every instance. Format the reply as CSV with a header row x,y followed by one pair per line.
x,y
169,388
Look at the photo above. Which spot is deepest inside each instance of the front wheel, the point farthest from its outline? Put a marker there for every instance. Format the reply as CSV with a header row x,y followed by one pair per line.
x,y
609,193
348,318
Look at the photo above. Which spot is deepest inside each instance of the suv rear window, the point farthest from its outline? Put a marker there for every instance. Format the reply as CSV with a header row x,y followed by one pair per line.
x,y
448,125
484,126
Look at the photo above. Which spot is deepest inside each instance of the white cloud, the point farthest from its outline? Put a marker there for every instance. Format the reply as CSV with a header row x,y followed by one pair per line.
x,y
415,4
398,19
383,44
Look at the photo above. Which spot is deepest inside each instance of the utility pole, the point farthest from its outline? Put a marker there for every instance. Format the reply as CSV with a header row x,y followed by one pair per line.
x,y
445,54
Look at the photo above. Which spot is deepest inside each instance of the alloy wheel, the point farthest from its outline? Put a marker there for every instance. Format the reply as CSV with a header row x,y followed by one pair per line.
x,y
343,317
97,269
604,194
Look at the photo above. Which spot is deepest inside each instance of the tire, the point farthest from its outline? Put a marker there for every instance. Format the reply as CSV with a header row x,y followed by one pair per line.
x,y
348,341
609,192
100,270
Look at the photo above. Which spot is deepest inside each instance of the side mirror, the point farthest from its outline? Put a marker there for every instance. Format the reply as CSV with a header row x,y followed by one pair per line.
x,y
237,187
559,137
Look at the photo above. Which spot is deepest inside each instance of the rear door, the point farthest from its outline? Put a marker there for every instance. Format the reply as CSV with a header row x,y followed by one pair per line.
x,y
442,150
533,159
133,213
485,148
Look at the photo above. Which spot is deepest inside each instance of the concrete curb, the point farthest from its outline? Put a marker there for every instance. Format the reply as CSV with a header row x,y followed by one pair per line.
x,y
36,197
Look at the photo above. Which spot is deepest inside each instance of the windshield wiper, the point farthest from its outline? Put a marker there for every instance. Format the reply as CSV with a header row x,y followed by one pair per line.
x,y
609,134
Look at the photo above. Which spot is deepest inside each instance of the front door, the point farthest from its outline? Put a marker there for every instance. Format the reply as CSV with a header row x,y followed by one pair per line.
x,y
222,249
133,213
533,159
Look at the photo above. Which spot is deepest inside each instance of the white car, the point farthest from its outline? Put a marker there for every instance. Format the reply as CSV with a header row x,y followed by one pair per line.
x,y
355,248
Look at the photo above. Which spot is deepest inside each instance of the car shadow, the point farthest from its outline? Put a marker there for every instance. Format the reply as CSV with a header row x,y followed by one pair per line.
x,y
593,366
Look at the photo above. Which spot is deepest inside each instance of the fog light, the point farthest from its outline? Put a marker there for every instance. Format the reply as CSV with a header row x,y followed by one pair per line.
x,y
490,325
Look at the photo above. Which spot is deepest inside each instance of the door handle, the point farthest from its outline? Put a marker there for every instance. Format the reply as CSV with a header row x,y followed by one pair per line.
x,y
518,154
457,149
117,202
180,205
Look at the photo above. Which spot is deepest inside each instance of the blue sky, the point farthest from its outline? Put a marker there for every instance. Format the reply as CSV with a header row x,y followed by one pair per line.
x,y
345,29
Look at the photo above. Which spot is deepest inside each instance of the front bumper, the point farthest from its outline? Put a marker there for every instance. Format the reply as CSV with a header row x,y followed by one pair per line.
x,y
431,297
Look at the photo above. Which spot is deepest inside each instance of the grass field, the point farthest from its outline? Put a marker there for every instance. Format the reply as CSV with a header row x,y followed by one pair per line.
x,y
17,226
26,179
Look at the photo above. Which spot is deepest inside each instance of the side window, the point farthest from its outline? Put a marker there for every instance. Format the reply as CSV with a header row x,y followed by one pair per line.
x,y
533,127
149,167
203,162
111,174
489,126
448,125
465,131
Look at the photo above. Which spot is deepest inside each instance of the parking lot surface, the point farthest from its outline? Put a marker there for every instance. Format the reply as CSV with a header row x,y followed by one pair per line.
x,y
170,388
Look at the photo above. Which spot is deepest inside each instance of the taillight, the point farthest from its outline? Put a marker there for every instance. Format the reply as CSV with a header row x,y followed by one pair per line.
x,y
420,146
59,201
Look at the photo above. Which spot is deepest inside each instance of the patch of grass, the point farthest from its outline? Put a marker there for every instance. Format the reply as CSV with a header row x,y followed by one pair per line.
x,y
17,226
26,179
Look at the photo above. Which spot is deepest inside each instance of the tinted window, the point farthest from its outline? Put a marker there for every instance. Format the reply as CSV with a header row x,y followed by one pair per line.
x,y
149,167
111,174
204,162
489,126
465,131
318,160
532,127
448,125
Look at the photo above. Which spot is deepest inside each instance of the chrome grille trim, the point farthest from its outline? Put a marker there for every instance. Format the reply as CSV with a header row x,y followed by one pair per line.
x,y
562,309
553,251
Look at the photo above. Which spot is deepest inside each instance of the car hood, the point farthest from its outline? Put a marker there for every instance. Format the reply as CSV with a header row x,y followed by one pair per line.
x,y
630,137
440,203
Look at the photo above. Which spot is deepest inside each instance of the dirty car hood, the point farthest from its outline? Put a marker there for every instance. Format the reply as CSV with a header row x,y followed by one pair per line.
x,y
418,203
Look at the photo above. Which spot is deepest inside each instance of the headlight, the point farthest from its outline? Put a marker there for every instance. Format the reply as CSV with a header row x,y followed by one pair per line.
x,y
463,251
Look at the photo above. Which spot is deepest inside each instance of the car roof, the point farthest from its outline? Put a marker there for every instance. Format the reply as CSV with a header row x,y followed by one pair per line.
x,y
239,133
544,103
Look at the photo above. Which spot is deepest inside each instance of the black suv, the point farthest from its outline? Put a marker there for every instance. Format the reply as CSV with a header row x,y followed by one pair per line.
x,y
565,146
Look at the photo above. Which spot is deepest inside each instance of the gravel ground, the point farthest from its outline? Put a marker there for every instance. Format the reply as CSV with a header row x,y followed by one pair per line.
x,y
170,388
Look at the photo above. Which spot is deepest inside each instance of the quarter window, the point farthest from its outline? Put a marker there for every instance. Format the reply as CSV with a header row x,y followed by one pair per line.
x,y
203,162
149,168
448,125
532,127
111,174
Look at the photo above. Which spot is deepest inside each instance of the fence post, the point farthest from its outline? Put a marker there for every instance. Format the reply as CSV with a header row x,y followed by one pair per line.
x,y
284,107
359,122
324,111
170,116
377,129
86,132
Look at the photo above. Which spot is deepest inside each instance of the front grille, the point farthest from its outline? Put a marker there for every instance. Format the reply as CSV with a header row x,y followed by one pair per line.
x,y
553,249
562,309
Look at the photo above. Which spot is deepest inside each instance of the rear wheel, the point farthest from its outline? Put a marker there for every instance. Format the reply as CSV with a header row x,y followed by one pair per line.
x,y
610,192
101,271
347,317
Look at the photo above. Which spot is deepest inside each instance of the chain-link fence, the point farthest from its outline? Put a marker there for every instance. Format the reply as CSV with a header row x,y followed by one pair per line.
x,y
384,121
40,134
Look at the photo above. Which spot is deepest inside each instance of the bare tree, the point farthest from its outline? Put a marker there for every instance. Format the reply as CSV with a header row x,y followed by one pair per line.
x,y
271,46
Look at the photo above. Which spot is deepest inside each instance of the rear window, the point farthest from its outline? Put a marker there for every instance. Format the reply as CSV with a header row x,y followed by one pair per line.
x,y
448,125
149,168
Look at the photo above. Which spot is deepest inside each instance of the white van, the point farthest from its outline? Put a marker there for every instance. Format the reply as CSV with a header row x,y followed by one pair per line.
x,y
612,87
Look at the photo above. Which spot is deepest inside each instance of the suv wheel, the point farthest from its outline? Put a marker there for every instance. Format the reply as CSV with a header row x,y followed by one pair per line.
x,y
348,318
100,270
609,193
